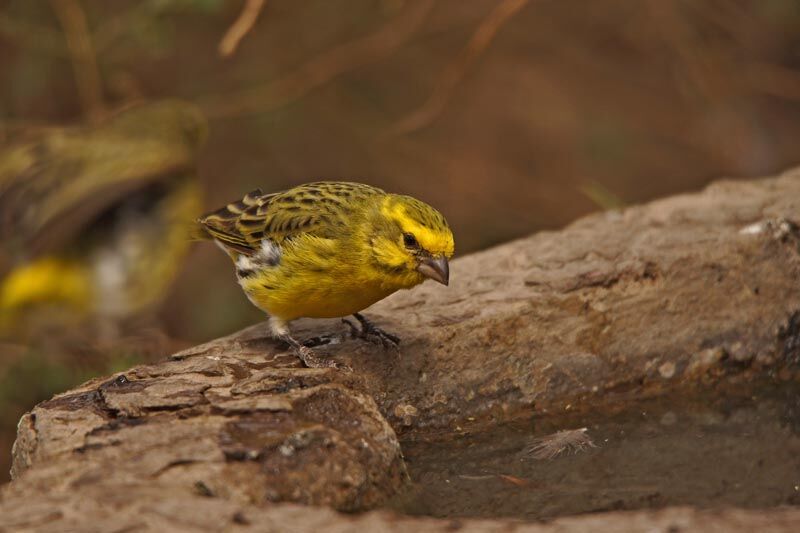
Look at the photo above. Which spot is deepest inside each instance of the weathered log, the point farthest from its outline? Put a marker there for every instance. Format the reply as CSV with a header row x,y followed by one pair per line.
x,y
619,304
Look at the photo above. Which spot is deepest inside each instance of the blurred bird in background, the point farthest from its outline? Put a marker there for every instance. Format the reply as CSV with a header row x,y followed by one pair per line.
x,y
94,226
94,220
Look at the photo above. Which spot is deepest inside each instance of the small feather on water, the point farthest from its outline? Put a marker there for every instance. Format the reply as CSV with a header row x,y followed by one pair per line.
x,y
551,446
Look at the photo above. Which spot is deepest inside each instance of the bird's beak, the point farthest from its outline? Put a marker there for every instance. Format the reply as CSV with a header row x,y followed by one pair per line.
x,y
435,268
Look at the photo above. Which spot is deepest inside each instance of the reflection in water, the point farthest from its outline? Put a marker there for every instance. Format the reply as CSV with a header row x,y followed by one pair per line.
x,y
741,448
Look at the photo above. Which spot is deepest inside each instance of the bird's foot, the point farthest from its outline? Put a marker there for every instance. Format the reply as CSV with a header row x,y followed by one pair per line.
x,y
311,360
371,332
323,340
309,357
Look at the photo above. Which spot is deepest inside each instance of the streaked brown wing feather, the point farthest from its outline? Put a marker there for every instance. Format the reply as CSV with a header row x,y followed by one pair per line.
x,y
316,208
222,224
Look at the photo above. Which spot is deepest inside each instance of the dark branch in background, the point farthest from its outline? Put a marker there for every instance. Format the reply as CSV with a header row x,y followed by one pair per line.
x,y
240,28
84,61
35,36
703,65
775,80
321,69
119,26
49,41
455,71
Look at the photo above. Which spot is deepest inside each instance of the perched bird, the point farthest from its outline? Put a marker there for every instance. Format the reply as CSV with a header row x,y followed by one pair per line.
x,y
329,249
94,220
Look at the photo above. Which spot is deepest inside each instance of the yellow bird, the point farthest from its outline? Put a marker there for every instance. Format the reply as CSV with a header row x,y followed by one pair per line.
x,y
95,220
329,249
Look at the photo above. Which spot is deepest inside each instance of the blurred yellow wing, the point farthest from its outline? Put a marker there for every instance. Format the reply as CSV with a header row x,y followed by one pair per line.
x,y
54,183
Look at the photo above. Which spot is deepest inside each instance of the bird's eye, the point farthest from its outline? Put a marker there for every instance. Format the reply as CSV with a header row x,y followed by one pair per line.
x,y
410,241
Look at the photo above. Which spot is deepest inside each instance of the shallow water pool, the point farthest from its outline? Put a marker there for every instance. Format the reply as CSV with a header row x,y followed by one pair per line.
x,y
738,447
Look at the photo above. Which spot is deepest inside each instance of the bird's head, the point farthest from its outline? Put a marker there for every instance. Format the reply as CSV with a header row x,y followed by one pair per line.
x,y
411,241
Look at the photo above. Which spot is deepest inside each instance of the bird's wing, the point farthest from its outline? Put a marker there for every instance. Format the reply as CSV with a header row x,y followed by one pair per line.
x,y
54,183
319,209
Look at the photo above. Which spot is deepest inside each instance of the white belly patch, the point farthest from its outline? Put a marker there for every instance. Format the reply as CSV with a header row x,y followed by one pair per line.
x,y
267,256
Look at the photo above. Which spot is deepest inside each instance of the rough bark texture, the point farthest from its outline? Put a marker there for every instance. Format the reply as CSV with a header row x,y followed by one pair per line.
x,y
194,425
619,304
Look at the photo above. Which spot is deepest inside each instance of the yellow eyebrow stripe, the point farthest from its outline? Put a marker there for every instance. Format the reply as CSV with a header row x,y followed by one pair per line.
x,y
435,242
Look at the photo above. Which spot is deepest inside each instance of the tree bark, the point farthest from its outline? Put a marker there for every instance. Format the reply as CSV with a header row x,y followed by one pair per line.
x,y
619,305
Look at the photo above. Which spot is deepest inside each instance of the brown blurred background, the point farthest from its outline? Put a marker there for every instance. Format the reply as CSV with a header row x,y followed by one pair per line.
x,y
508,116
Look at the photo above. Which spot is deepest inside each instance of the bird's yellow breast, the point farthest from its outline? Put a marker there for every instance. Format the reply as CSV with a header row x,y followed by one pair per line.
x,y
324,297
317,278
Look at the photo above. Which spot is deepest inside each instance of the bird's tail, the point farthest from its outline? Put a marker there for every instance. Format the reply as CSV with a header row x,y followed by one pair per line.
x,y
221,224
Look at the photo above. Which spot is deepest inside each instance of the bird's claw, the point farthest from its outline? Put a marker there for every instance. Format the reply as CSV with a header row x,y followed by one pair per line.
x,y
322,340
371,332
311,360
